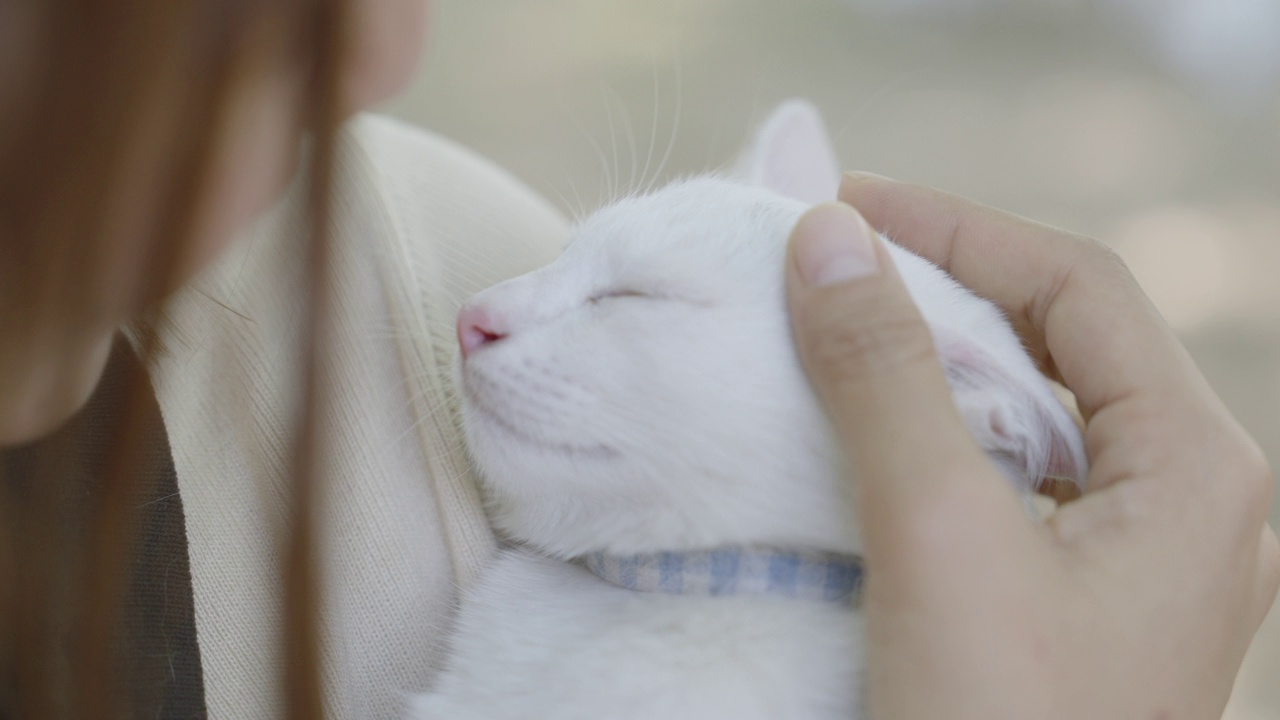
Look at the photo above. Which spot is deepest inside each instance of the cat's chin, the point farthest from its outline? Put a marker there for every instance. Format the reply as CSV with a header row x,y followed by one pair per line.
x,y
488,428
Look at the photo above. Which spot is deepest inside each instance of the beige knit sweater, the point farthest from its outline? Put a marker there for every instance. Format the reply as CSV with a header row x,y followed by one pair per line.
x,y
423,224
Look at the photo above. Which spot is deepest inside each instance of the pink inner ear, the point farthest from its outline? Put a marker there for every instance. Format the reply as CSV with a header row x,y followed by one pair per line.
x,y
1062,462
1039,432
792,155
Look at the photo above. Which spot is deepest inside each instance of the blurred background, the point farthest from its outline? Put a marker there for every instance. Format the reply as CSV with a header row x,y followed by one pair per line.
x,y
1153,125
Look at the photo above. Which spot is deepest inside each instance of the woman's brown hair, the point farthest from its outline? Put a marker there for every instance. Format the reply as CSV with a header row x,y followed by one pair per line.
x,y
87,87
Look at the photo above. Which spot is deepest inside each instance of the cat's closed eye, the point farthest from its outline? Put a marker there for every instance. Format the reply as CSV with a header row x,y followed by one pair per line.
x,y
619,294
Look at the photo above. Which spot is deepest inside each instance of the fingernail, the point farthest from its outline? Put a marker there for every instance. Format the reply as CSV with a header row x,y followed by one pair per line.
x,y
833,245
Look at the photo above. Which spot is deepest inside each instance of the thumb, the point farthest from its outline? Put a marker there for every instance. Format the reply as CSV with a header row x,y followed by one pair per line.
x,y
872,362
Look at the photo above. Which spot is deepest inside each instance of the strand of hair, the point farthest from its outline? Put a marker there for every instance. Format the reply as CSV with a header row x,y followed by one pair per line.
x,y
303,586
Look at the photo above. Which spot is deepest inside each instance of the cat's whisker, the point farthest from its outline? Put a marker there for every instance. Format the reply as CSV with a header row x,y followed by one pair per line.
x,y
631,139
447,448
599,151
579,209
874,98
675,126
450,441
712,143
653,125
575,213
431,410
575,210
616,174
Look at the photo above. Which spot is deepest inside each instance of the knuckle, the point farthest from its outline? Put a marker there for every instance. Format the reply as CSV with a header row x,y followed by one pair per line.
x,y
1243,477
1093,252
1080,260
1094,259
1101,261
1270,556
1268,572
1270,553
1256,479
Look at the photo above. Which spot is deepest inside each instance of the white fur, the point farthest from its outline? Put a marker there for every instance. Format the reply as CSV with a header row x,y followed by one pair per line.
x,y
540,638
646,396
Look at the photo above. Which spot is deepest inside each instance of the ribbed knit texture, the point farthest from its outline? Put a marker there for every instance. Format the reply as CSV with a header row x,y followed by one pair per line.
x,y
423,224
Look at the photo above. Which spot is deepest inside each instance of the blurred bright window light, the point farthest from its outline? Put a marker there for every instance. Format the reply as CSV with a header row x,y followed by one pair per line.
x,y
1230,49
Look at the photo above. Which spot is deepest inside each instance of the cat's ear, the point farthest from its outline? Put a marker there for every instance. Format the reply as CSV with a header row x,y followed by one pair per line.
x,y
1015,417
792,155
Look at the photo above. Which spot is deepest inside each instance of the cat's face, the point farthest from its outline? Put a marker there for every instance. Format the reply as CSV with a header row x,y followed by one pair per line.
x,y
642,391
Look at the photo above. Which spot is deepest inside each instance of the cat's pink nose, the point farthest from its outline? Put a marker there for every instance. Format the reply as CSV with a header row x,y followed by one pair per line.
x,y
476,329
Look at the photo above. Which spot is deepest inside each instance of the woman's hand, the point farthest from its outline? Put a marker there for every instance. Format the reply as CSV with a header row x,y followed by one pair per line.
x,y
1135,602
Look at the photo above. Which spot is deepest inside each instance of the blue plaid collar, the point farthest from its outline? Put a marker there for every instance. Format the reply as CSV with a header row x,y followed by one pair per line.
x,y
804,574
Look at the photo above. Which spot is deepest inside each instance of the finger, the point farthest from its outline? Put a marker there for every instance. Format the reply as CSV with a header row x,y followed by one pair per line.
x,y
871,359
1061,491
1071,299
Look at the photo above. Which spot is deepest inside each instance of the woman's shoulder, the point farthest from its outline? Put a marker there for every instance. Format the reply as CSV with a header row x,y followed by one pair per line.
x,y
420,224
450,221
436,187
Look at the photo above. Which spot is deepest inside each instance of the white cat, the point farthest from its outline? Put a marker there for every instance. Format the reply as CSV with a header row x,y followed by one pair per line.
x,y
637,407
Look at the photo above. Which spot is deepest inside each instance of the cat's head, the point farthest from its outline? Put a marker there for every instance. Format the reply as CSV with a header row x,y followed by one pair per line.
x,y
642,391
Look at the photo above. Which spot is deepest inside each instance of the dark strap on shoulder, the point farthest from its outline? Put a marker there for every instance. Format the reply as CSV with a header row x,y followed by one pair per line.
x,y
51,490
